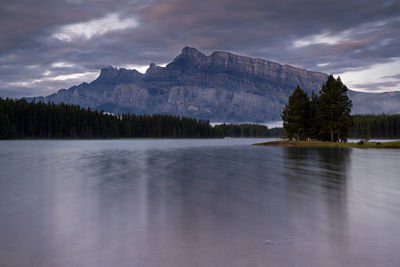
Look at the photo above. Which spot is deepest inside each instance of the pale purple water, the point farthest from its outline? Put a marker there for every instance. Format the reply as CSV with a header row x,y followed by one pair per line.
x,y
197,203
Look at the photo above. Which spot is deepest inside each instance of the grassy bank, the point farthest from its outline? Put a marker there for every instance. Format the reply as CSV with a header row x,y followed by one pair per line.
x,y
394,144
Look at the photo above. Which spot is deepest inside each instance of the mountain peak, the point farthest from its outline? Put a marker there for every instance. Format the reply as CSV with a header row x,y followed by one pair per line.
x,y
108,72
153,68
188,58
191,51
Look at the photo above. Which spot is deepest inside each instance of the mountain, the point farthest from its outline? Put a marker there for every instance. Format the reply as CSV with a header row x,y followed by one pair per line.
x,y
222,87
375,103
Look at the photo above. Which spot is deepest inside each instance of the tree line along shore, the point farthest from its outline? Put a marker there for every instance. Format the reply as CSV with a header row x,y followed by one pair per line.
x,y
20,119
360,144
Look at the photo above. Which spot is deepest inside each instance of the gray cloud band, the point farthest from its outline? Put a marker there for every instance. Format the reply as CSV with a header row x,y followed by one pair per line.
x,y
43,45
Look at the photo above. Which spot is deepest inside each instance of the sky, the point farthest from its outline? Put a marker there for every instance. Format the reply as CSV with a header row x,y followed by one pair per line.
x,y
46,45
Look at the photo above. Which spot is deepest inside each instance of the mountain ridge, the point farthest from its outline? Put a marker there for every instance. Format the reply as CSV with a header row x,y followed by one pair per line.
x,y
220,87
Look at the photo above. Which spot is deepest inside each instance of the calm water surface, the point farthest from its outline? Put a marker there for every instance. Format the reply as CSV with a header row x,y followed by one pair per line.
x,y
197,203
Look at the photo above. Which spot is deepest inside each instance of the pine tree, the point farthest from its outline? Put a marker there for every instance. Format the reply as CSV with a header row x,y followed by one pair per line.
x,y
314,123
295,115
335,107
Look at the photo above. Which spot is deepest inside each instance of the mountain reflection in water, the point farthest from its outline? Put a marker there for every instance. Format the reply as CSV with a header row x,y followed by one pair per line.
x,y
196,203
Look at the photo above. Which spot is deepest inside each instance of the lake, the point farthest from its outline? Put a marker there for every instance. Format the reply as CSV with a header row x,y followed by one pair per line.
x,y
217,202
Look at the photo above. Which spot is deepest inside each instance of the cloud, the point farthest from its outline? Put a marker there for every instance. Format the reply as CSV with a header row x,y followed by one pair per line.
x,y
329,38
373,77
46,84
94,27
379,86
62,64
72,76
64,37
324,38
396,76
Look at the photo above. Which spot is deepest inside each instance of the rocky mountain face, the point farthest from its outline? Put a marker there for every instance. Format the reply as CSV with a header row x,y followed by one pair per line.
x,y
222,87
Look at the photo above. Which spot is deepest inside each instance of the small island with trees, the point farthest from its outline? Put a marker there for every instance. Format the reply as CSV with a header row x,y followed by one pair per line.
x,y
322,120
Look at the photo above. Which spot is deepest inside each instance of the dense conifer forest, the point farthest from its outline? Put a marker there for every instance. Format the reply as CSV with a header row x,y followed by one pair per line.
x,y
375,126
21,119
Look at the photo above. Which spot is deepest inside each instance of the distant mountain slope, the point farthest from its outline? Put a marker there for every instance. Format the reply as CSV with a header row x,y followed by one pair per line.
x,y
375,103
220,87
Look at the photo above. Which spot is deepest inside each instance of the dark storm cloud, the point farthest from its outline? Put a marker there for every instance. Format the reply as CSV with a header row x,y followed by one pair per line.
x,y
39,53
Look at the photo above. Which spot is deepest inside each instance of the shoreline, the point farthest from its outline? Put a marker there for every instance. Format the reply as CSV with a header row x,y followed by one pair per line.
x,y
393,144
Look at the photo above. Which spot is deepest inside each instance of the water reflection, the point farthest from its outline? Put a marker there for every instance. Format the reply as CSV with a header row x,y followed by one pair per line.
x,y
123,203
316,180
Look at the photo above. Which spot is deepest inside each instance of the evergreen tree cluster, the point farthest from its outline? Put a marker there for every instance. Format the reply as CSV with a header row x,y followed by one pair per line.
x,y
21,119
375,126
323,117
